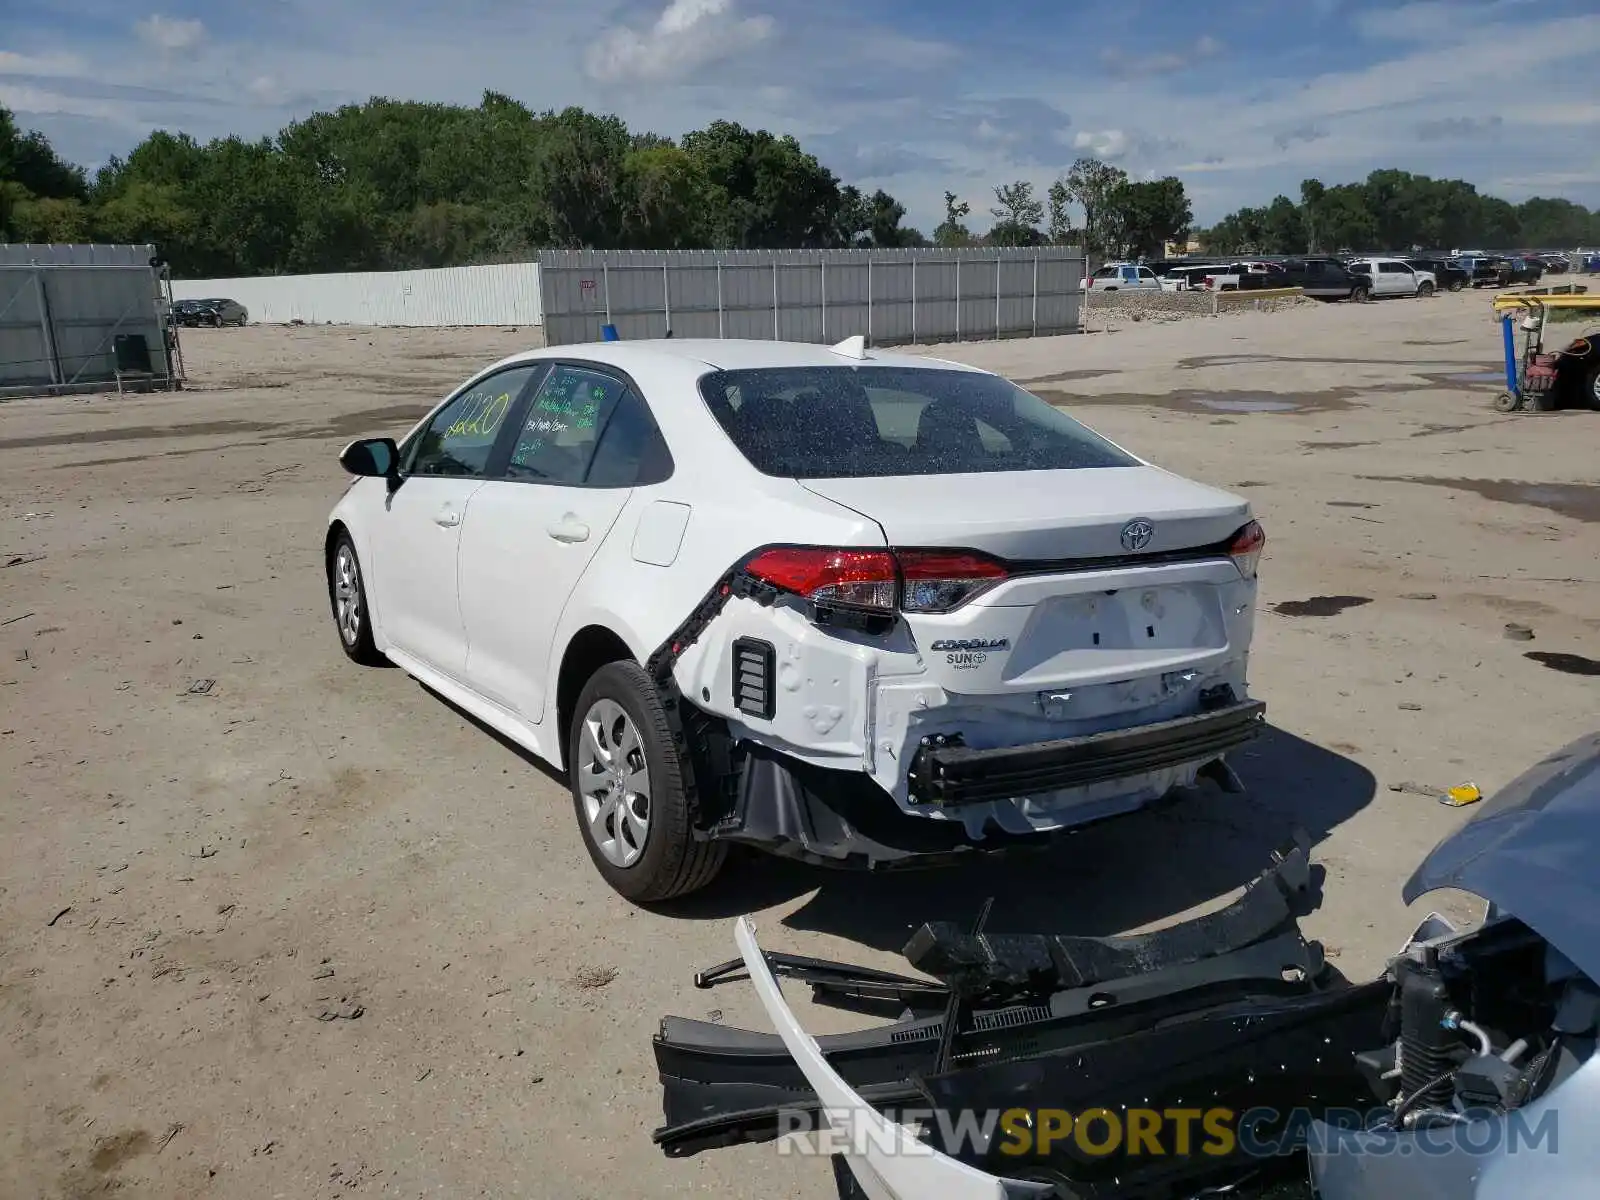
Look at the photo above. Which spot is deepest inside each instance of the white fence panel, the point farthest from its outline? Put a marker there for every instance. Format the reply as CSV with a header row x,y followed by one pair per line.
x,y
501,294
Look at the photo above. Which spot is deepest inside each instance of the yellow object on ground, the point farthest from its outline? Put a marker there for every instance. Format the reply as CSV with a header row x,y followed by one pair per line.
x,y
1466,793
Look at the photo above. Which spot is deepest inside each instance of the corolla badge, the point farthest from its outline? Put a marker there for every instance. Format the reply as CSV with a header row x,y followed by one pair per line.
x,y
1136,535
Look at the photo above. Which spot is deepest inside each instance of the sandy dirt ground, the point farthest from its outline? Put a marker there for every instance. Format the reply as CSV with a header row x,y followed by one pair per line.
x,y
312,933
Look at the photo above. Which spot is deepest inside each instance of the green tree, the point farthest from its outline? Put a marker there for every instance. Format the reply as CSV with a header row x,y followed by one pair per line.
x,y
50,219
768,192
1018,214
1060,229
952,231
1091,184
579,180
1148,214
670,198
1283,228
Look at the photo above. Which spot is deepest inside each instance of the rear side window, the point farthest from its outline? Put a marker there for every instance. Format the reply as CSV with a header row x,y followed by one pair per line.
x,y
559,433
858,422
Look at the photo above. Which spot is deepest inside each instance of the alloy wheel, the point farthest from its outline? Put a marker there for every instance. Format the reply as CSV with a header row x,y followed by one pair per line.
x,y
614,781
347,594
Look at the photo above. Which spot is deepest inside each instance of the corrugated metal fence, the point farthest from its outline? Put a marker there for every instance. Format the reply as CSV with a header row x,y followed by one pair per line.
x,y
890,296
506,294
64,309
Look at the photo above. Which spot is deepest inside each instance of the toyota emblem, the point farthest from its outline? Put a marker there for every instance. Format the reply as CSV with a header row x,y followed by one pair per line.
x,y
1136,535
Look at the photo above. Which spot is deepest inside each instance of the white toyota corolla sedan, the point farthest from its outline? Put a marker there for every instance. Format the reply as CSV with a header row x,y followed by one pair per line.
x,y
852,607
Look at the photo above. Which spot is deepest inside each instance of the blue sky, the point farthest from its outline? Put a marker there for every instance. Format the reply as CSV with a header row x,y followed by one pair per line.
x,y
1240,98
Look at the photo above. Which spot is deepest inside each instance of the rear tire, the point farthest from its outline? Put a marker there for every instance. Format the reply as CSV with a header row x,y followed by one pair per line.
x,y
620,738
1591,386
1506,402
1455,285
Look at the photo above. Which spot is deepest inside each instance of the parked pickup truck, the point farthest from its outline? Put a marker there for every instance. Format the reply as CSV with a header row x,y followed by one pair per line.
x,y
1394,277
1187,278
1324,279
1510,271
1245,276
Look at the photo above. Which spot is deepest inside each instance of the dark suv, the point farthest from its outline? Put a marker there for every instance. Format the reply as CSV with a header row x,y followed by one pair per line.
x,y
1323,278
1448,273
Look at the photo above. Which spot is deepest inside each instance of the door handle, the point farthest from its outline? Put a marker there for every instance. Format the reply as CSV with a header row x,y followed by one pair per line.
x,y
447,518
569,529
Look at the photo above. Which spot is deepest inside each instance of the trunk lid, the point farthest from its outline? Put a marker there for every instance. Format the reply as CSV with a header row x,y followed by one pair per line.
x,y
1042,516
1082,611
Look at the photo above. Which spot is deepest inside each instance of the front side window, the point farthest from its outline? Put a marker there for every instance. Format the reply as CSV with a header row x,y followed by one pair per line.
x,y
855,422
461,437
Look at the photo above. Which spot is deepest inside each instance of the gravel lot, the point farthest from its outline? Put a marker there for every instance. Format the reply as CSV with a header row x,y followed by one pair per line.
x,y
314,934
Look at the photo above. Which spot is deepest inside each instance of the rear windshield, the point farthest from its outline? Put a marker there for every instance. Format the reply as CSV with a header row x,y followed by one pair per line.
x,y
854,422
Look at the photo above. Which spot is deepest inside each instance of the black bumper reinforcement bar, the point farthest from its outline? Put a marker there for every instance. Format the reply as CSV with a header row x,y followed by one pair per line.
x,y
955,775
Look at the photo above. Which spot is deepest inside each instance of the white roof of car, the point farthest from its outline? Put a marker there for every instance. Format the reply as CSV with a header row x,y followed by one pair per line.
x,y
725,354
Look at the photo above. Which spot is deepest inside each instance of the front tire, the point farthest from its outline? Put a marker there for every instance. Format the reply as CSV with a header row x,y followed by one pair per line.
x,y
1424,290
347,594
1361,295
627,790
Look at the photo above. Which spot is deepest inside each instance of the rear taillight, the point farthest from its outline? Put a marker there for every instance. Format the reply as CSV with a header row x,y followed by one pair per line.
x,y
1245,549
937,581
850,578
882,581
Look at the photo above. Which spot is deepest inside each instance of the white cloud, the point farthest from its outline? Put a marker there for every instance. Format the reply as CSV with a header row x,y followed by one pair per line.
x,y
688,34
264,89
1110,144
171,34
12,63
1124,64
36,101
1436,21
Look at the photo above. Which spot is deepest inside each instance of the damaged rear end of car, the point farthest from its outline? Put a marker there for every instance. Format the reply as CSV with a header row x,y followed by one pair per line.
x,y
1050,632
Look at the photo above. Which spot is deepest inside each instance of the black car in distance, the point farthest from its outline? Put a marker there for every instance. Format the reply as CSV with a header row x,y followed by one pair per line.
x,y
210,312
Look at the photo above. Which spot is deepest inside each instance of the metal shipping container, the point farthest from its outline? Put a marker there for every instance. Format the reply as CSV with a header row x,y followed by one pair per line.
x,y
64,310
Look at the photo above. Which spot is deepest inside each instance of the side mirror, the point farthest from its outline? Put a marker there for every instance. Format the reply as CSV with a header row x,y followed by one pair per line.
x,y
372,456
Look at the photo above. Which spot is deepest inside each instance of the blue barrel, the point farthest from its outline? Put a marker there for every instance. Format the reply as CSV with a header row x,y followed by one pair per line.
x,y
608,333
